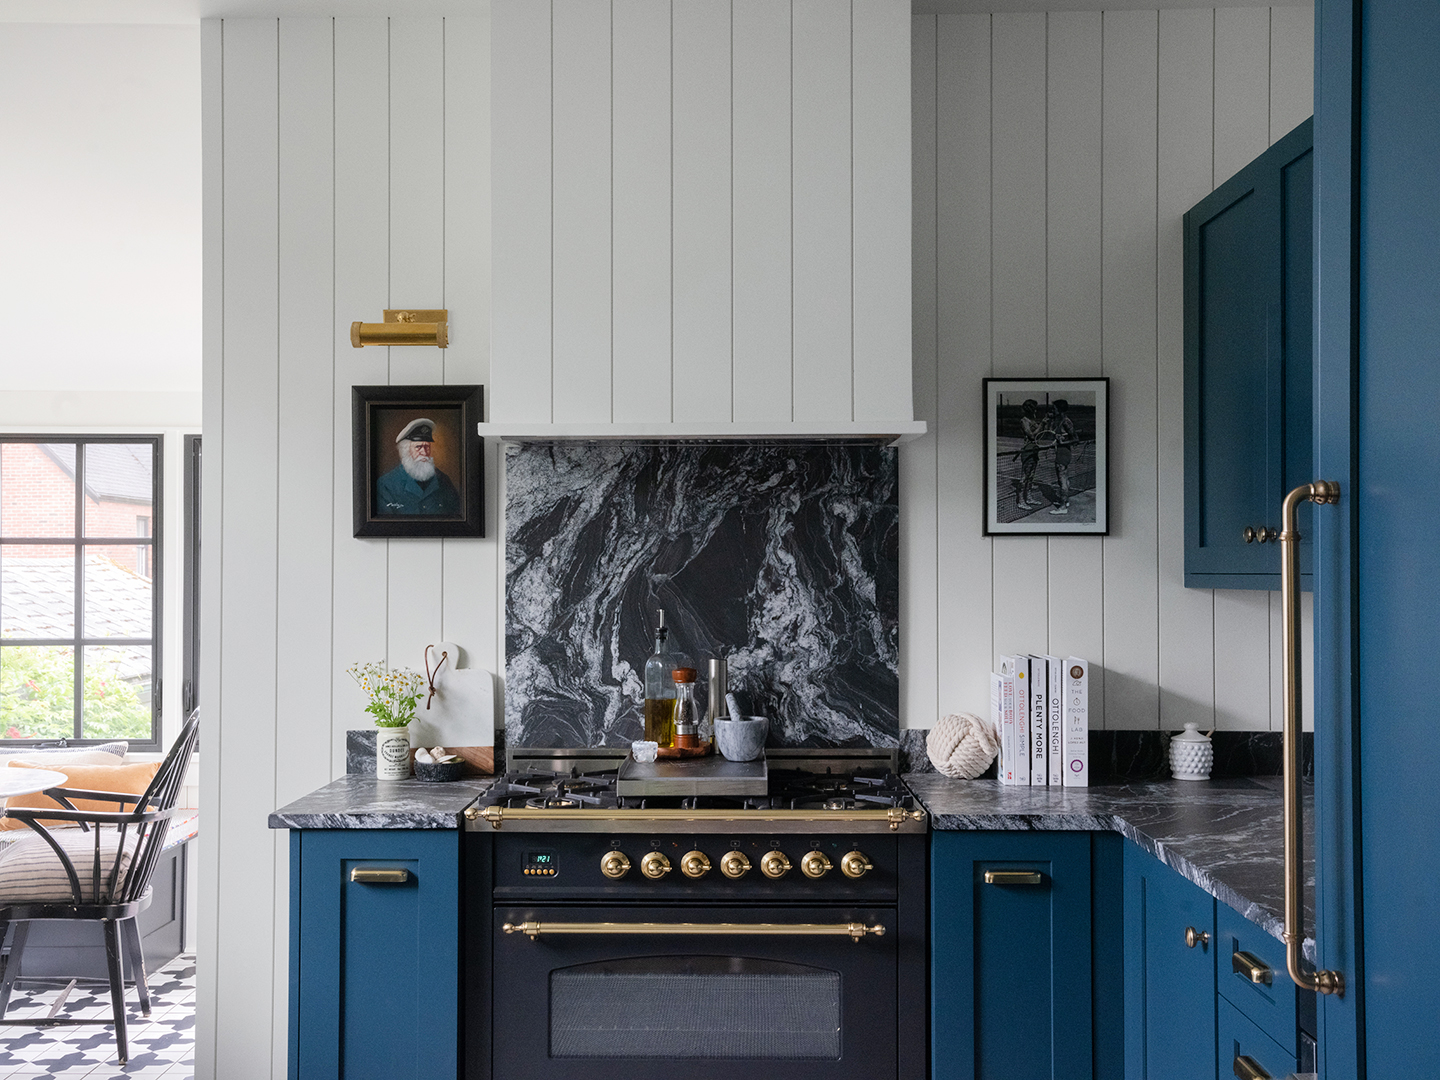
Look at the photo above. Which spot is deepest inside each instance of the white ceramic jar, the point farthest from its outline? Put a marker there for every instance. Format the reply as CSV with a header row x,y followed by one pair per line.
x,y
392,753
1191,754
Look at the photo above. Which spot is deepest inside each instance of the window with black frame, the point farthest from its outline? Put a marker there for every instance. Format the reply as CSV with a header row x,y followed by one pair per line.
x,y
80,558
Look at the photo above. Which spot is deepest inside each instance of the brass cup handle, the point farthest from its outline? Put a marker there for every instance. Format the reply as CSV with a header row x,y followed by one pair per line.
x,y
1013,877
853,930
1195,937
1252,967
377,875
1247,1068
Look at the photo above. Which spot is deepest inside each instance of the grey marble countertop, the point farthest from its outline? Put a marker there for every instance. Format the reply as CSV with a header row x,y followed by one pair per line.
x,y
1227,836
362,802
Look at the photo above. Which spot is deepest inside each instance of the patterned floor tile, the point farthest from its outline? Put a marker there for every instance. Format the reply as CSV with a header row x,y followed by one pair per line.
x,y
161,1046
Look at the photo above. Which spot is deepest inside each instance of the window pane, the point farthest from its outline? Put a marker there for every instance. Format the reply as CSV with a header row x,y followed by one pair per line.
x,y
118,598
37,591
119,489
117,692
37,692
37,489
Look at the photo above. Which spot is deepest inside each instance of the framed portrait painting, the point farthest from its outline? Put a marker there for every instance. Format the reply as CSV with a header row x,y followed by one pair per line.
x,y
1047,457
417,460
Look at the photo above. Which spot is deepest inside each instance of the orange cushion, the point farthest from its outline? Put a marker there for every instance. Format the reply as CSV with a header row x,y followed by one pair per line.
x,y
127,779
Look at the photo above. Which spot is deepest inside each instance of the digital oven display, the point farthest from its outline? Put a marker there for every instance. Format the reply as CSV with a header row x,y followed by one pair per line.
x,y
539,864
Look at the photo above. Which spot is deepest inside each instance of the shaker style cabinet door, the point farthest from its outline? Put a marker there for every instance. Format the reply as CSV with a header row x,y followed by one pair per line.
x,y
1248,343
1169,973
1011,956
374,947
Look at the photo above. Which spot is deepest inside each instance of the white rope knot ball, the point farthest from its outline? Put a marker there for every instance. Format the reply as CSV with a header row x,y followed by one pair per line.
x,y
961,746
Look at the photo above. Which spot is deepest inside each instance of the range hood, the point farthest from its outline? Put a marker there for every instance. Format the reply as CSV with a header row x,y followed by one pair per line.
x,y
890,432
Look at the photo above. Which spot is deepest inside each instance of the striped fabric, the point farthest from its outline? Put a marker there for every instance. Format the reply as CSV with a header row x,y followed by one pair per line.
x,y
31,872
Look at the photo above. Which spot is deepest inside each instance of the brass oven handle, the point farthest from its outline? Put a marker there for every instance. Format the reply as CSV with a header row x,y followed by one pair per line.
x,y
376,875
1321,491
854,931
1013,877
1247,1068
1252,967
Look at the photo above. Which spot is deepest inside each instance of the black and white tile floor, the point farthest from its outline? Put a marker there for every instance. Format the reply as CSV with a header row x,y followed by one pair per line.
x,y
161,1045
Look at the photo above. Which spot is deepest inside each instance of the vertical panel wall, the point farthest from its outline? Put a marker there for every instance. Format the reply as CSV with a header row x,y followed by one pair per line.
x,y
1053,157
706,211
347,169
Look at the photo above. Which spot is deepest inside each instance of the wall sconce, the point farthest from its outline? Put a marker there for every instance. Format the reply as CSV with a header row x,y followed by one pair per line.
x,y
412,327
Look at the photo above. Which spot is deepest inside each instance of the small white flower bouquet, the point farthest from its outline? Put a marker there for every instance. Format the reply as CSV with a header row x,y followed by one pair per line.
x,y
393,693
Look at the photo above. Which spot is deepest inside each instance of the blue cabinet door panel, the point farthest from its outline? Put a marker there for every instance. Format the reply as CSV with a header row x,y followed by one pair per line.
x,y
1239,1037
1270,1004
376,981
1169,984
1011,964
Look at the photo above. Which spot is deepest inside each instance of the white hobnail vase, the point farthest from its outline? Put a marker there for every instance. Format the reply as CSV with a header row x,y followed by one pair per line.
x,y
1191,754
392,753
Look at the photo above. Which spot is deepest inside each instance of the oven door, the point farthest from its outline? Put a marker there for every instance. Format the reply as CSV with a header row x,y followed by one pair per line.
x,y
694,990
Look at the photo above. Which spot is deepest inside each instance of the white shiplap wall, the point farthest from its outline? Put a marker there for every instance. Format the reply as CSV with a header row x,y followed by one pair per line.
x,y
706,209
346,171
1054,156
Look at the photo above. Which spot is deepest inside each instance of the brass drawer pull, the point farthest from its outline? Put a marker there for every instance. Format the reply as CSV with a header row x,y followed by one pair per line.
x,y
1247,1068
1195,937
376,875
1013,877
1252,967
854,931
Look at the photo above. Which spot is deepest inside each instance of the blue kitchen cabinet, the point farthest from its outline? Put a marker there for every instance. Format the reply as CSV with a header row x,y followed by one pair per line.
x,y
1248,340
374,964
1170,999
1012,971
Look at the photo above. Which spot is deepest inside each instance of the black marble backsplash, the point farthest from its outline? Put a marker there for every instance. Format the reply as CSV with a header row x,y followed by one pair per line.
x,y
1145,755
360,751
783,558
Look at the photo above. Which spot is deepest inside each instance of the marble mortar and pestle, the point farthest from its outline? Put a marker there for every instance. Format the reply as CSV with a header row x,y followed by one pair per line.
x,y
740,737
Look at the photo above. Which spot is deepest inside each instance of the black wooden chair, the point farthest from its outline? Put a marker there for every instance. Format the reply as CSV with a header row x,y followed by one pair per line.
x,y
100,872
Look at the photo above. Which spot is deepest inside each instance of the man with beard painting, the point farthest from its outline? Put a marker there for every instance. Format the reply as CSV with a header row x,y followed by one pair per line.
x,y
415,486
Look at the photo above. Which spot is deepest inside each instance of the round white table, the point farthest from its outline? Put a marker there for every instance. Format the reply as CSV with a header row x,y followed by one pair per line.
x,y
29,781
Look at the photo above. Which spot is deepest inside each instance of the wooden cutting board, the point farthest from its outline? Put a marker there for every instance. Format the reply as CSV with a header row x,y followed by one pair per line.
x,y
461,716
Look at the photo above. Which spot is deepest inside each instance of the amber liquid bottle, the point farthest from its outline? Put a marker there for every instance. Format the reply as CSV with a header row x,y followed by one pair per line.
x,y
660,688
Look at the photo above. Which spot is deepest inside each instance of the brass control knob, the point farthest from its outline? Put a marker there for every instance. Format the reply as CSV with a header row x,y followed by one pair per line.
x,y
734,865
815,865
614,865
1195,937
855,865
695,864
654,865
774,865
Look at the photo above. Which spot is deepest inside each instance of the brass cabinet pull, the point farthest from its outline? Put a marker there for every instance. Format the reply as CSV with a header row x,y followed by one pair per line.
x,y
1195,937
378,875
1013,877
1323,492
1252,967
1247,1068
854,931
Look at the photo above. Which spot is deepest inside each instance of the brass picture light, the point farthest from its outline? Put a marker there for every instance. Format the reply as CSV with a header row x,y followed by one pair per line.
x,y
414,326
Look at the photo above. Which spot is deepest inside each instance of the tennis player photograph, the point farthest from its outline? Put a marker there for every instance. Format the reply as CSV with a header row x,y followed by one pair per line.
x,y
1047,457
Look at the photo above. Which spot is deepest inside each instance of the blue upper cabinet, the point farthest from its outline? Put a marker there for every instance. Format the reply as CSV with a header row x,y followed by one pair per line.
x,y
1248,343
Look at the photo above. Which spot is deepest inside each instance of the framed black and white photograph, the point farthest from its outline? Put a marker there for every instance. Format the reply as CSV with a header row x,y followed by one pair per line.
x,y
1047,457
417,460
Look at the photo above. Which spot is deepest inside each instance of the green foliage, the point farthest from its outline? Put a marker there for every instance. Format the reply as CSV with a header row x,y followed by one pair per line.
x,y
392,694
37,693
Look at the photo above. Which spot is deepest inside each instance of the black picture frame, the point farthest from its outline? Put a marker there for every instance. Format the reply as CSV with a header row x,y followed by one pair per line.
x,y
377,415
1047,468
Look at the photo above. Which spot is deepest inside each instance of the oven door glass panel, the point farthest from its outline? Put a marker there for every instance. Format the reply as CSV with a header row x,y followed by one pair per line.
x,y
695,1007
629,1004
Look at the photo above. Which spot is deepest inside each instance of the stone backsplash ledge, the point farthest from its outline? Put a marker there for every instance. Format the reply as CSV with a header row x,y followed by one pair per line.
x,y
782,558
